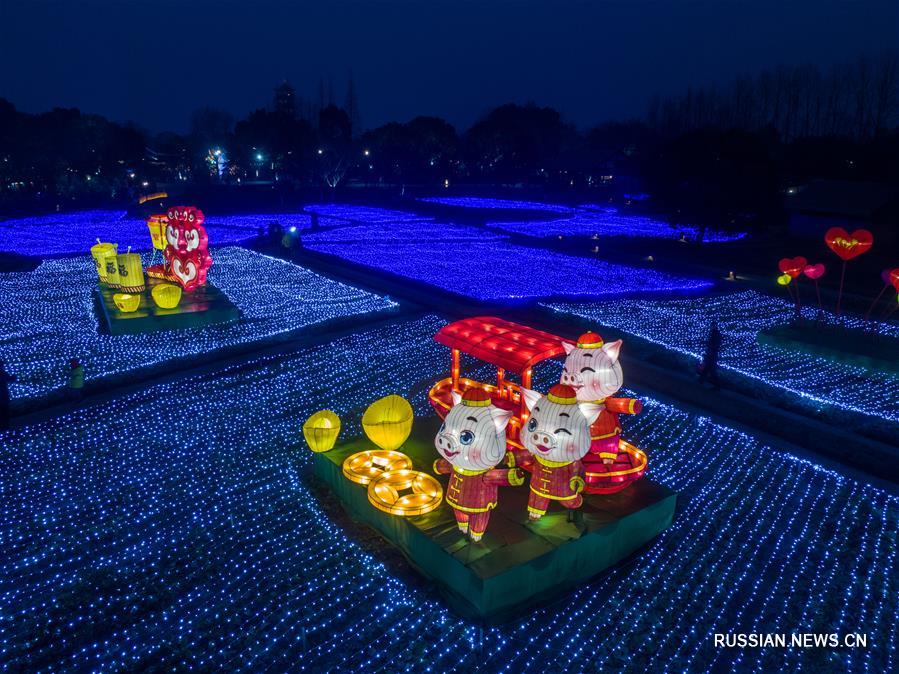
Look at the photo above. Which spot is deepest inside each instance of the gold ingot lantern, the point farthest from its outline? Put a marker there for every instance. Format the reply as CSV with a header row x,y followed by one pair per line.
x,y
387,422
100,251
126,302
424,493
363,467
131,273
321,431
166,295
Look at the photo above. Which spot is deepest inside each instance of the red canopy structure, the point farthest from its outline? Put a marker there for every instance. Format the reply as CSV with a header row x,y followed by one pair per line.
x,y
509,346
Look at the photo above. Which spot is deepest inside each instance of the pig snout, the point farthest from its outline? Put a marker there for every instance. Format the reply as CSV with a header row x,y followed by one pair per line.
x,y
543,440
572,379
447,443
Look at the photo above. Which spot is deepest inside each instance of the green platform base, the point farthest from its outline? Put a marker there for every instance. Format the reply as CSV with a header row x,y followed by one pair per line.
x,y
204,306
518,563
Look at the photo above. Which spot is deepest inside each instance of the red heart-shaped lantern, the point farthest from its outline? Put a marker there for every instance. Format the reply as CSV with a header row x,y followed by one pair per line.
x,y
793,266
846,245
814,271
893,278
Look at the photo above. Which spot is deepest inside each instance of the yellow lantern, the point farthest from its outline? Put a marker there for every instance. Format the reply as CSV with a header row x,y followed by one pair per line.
x,y
784,279
425,493
156,224
363,467
99,251
321,431
387,422
111,261
131,272
166,295
126,302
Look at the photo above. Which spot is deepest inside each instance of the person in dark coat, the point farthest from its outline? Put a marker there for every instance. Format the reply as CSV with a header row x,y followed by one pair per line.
x,y
76,379
708,369
5,378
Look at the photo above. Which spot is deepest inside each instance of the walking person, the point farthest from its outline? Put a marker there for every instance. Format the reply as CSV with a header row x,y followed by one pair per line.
x,y
76,379
5,400
708,369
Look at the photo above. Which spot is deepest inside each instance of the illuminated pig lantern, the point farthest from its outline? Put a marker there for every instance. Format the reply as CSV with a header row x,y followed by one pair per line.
x,y
186,253
593,371
557,436
471,442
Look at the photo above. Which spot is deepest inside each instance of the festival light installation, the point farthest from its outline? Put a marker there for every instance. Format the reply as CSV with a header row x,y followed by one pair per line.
x,y
847,246
100,251
458,268
131,272
186,254
471,442
557,436
363,467
216,555
586,220
49,311
73,233
790,379
166,295
126,302
592,368
321,431
387,422
424,493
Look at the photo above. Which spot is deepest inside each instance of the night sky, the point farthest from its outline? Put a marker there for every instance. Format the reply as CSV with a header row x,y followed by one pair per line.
x,y
155,62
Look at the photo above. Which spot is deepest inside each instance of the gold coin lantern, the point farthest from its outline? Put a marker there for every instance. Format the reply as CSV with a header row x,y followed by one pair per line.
x,y
424,493
321,431
387,422
363,467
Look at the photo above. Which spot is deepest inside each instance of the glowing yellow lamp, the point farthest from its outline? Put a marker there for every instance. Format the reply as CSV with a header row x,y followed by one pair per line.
x,y
784,279
321,431
424,493
126,302
363,467
387,422
166,295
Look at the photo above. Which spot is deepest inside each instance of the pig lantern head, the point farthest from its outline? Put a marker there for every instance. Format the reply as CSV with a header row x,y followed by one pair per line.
x,y
187,247
592,368
559,426
473,435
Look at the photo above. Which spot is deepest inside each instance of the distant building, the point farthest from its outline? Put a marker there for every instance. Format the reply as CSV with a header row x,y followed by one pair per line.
x,y
285,99
819,205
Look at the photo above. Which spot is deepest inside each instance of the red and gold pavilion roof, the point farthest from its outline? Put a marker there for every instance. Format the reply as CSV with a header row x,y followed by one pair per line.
x,y
502,343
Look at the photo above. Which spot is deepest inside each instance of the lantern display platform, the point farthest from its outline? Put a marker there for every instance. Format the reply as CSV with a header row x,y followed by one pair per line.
x,y
518,563
852,346
206,305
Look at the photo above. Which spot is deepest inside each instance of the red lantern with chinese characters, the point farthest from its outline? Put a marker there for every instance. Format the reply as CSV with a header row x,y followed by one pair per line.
x,y
186,254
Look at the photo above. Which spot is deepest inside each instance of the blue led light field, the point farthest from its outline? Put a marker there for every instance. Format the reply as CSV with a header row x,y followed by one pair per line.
x,y
498,270
505,204
585,220
682,326
75,233
47,317
175,528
